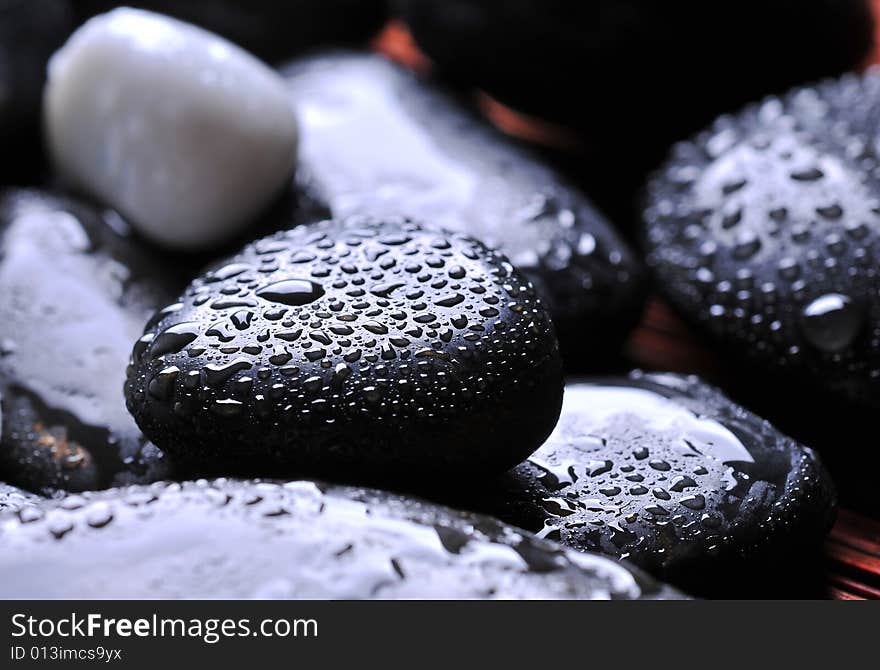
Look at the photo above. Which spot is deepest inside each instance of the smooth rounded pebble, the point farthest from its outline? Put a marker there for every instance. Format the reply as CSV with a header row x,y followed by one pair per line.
x,y
184,133
764,230
76,291
367,348
226,539
378,140
665,471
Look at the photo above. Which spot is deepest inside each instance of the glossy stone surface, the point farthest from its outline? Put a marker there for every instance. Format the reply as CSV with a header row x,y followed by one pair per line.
x,y
76,292
13,499
365,348
665,471
376,140
764,228
30,30
183,132
268,28
634,76
298,540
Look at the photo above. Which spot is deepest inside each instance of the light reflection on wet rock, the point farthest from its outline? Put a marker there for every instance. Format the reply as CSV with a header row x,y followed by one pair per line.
x,y
13,499
667,472
76,291
297,540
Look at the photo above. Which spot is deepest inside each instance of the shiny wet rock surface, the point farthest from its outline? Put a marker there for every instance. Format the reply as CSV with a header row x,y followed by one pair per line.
x,y
665,471
227,539
763,229
76,292
13,499
378,349
376,140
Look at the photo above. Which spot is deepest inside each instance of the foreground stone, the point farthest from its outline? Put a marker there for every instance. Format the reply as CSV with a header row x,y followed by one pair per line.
x,y
665,471
298,540
377,349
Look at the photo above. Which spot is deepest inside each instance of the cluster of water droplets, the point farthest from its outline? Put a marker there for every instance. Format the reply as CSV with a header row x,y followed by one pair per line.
x,y
341,320
765,227
628,483
663,470
316,541
13,499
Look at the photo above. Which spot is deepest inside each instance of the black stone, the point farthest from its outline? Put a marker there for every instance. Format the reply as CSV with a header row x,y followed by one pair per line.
x,y
270,29
76,291
764,230
376,140
30,31
365,347
665,471
633,76
298,540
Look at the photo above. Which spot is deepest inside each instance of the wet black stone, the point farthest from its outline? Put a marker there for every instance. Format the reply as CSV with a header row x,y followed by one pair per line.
x,y
369,348
764,230
30,31
298,540
76,291
668,473
270,29
375,140
633,76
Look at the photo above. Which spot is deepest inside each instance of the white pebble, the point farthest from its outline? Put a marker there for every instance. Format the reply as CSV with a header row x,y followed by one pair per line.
x,y
183,132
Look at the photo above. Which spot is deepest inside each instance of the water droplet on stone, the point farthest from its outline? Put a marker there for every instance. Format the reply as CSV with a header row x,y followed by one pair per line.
x,y
831,322
292,292
173,339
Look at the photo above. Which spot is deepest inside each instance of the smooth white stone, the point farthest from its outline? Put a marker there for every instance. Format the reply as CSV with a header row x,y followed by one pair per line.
x,y
183,132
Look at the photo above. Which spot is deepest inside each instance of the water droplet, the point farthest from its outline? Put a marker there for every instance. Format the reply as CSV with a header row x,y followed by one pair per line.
x,y
694,502
220,374
384,290
173,339
160,385
99,515
449,300
227,407
596,468
831,322
832,212
747,244
376,328
292,292
681,483
242,319
808,174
